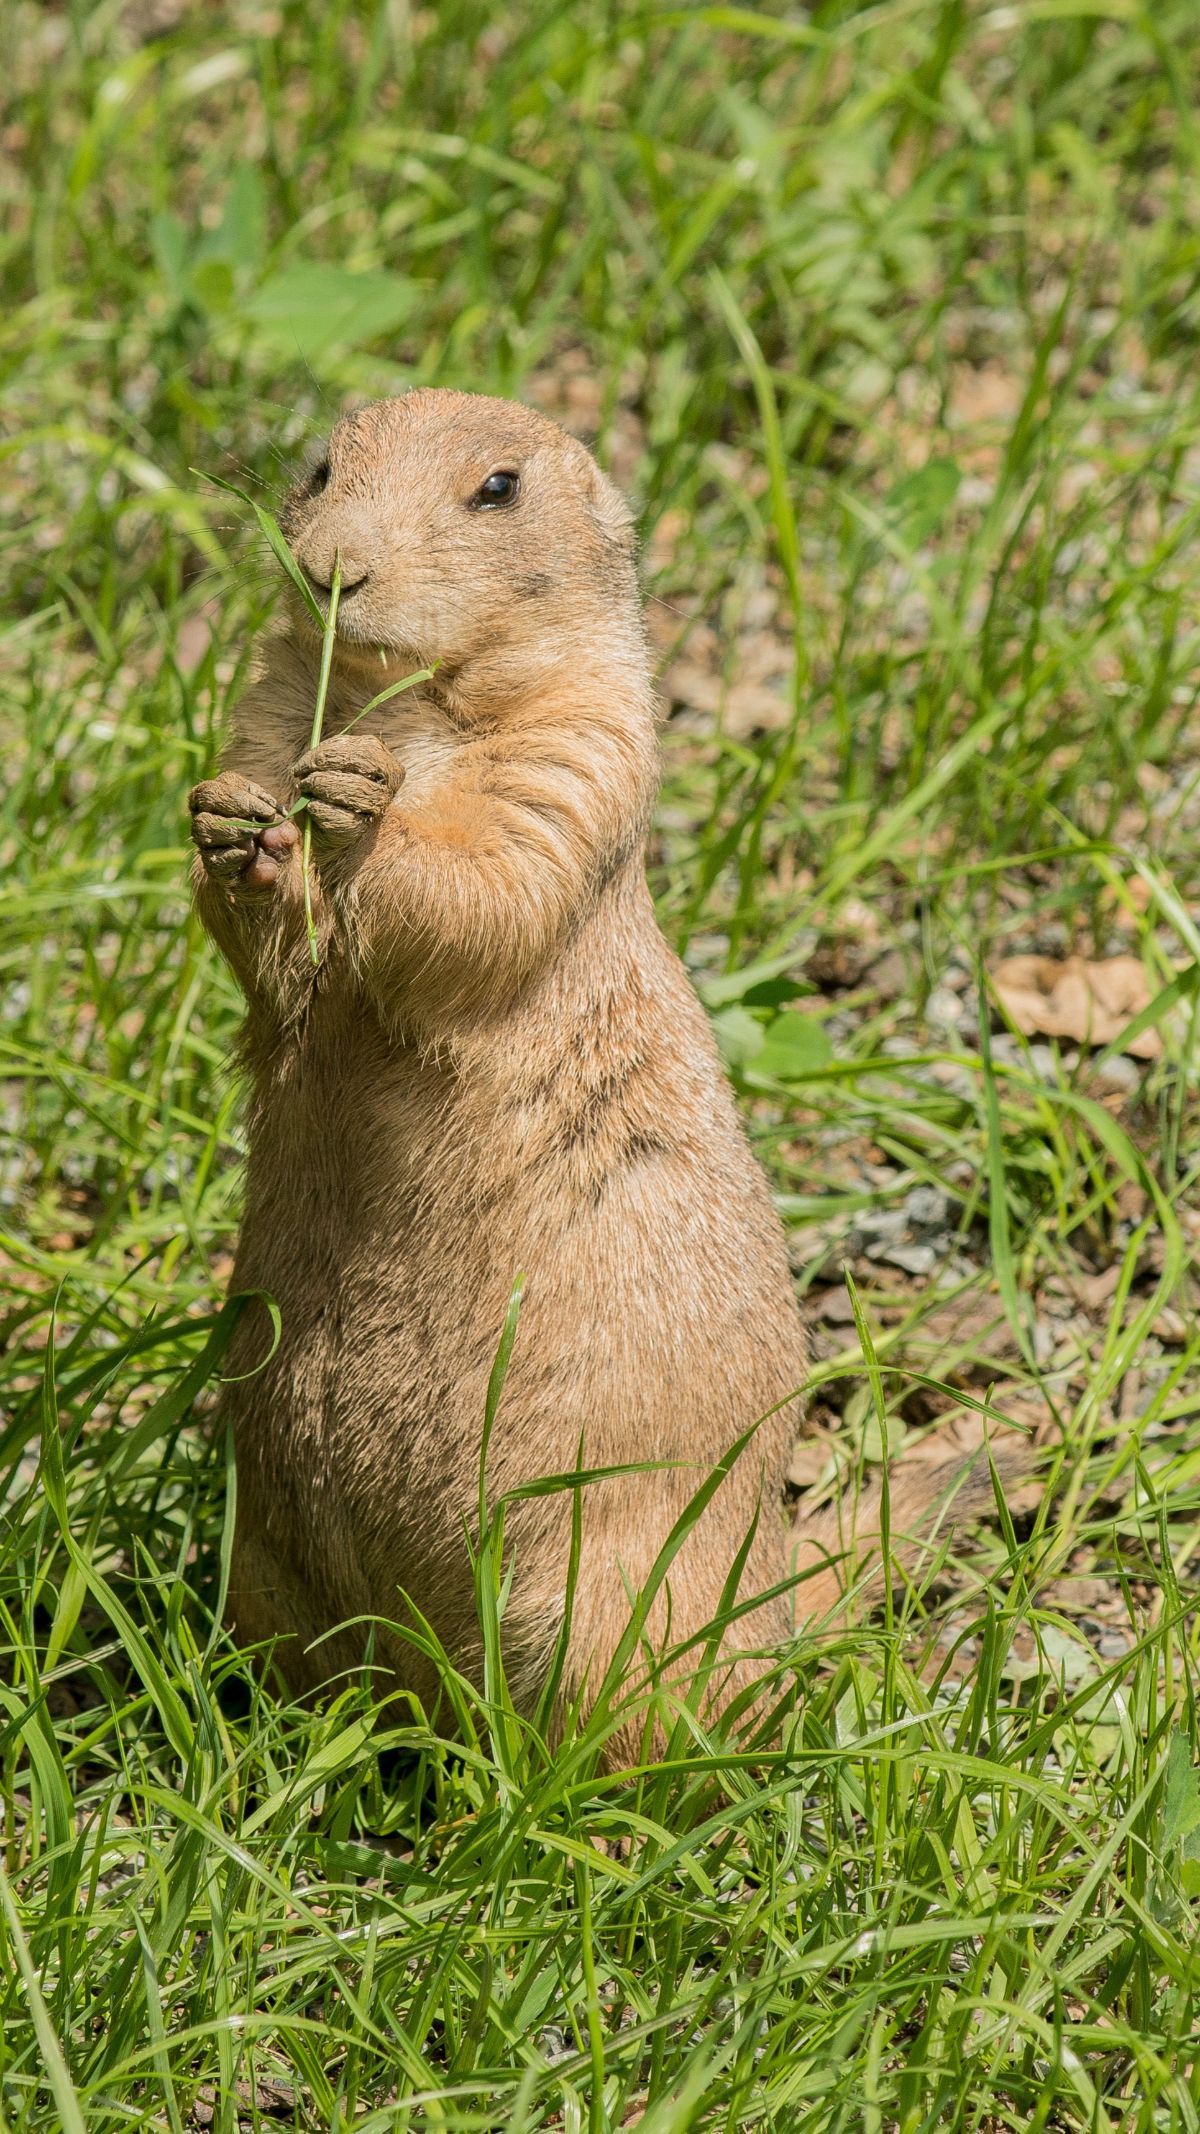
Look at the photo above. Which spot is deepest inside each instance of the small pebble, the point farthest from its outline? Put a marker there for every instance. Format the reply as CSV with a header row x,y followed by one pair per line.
x,y
552,2044
914,1259
1118,1075
886,1224
943,1009
927,1208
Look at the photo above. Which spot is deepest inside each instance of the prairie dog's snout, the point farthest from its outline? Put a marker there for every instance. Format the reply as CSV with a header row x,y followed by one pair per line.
x,y
335,519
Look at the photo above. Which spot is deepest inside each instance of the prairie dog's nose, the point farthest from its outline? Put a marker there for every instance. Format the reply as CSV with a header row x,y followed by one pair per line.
x,y
352,579
334,534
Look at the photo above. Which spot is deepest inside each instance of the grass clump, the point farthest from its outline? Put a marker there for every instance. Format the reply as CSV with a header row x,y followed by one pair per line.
x,y
886,319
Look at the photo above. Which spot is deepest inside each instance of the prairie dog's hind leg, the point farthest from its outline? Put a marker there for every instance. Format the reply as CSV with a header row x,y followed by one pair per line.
x,y
681,1611
271,1606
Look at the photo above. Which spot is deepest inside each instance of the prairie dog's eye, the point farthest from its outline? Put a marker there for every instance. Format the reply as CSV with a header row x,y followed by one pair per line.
x,y
500,488
319,478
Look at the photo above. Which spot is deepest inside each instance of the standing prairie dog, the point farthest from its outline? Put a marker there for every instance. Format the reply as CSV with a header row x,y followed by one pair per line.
x,y
499,1066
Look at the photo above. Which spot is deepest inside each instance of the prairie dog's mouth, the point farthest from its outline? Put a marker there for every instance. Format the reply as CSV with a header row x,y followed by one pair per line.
x,y
357,634
347,591
349,631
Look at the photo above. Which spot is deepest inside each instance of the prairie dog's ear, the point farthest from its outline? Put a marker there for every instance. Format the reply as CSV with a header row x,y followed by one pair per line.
x,y
610,510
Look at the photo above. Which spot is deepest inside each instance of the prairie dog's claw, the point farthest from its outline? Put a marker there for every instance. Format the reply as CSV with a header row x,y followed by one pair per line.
x,y
347,781
240,832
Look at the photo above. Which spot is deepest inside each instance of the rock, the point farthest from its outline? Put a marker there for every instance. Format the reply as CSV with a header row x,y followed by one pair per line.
x,y
881,1226
552,2044
1044,1063
927,1208
1117,1076
811,1461
834,1307
943,1009
914,1259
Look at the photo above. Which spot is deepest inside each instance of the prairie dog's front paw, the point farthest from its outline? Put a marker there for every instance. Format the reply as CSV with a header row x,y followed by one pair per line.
x,y
240,832
347,782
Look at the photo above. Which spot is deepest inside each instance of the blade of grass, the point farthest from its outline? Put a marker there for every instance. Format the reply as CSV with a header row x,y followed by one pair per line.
x,y
57,2073
329,635
410,681
269,527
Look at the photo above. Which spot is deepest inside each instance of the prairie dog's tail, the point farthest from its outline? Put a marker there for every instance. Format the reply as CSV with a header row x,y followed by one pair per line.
x,y
837,1552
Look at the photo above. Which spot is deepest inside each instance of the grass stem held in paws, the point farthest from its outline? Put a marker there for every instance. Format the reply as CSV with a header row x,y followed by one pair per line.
x,y
329,634
327,624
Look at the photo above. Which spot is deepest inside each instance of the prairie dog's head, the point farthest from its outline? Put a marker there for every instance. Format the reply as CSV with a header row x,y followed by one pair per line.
x,y
474,535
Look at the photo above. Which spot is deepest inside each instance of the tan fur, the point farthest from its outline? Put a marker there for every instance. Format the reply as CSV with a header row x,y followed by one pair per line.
x,y
500,1067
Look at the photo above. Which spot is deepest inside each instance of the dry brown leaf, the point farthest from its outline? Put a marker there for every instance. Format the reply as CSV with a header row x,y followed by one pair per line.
x,y
974,1325
1081,1594
961,1437
1095,1290
809,1463
1090,1002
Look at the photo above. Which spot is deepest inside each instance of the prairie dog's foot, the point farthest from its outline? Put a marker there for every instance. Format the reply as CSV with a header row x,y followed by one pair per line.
x,y
347,781
240,832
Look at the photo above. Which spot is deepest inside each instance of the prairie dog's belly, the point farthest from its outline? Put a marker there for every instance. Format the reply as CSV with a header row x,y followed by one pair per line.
x,y
363,1224
341,1132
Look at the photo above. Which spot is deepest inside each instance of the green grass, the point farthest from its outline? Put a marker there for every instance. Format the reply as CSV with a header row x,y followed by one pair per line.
x,y
887,317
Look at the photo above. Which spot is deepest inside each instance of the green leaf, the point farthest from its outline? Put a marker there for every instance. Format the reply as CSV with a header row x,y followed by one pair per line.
x,y
307,310
172,1710
773,992
329,1761
728,986
328,634
241,234
394,689
999,1236
1069,1654
918,504
62,2089
794,1046
168,242
787,1048
779,471
1181,1805
211,283
739,1035
495,1388
1155,1011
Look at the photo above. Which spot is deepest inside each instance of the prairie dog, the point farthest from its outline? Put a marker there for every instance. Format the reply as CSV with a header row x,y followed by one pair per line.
x,y
499,1066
